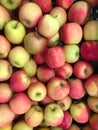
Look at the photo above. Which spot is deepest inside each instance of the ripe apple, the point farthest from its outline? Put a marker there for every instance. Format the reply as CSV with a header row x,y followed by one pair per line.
x,y
71,33
20,103
48,26
45,5
37,91
29,14
14,31
16,55
76,85
43,128
46,100
73,127
55,128
79,12
80,112
19,125
54,57
34,116
4,17
89,50
33,79
6,115
45,73
5,70
93,3
34,43
84,71
87,127
5,92
66,4
93,121
8,127
72,53
19,81
59,14
53,114
58,88
91,26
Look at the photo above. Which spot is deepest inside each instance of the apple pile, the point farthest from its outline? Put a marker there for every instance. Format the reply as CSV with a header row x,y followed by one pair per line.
x,y
48,52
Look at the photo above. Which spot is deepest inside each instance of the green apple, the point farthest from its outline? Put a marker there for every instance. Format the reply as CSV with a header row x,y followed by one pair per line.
x,y
11,4
71,53
14,31
18,56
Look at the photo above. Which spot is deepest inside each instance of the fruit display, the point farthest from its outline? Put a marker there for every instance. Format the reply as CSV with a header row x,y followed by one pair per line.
x,y
48,64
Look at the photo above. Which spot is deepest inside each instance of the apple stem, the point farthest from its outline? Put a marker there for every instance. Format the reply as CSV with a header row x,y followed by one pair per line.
x,y
62,84
36,33
10,1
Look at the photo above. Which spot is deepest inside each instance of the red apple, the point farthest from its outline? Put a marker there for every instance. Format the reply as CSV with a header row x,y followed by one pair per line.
x,y
47,100
93,121
93,3
73,127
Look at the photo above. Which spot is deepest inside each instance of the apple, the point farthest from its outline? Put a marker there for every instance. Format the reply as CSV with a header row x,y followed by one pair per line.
x,y
19,81
30,67
4,17
93,3
64,71
58,88
46,100
34,43
43,128
44,70
79,12
20,103
55,128
19,125
14,31
10,5
91,26
6,115
72,53
6,70
34,116
71,33
73,127
83,69
5,92
91,85
8,127
59,14
65,103
66,4
80,112
29,14
89,50
87,127
33,79
48,26
53,114
54,57
77,89
93,121
16,54
37,91
45,5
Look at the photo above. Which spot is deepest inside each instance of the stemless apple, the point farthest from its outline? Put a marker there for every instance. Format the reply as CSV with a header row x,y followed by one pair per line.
x,y
8,127
93,3
93,121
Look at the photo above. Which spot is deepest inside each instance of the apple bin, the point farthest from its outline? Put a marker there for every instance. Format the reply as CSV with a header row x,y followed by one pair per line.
x,y
49,64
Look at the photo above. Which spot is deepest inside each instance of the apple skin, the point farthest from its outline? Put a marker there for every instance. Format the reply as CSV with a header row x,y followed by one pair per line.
x,y
5,70
30,18
79,12
14,29
34,43
54,57
66,4
73,127
5,113
72,53
55,128
19,125
80,112
48,26
5,93
37,91
45,5
90,26
46,100
89,50
91,85
20,103
58,88
19,81
5,47
16,54
76,85
59,14
93,121
53,114
8,127
71,33
87,127
93,3
84,71
34,116
44,70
